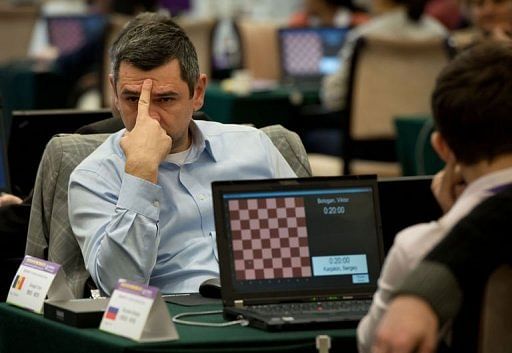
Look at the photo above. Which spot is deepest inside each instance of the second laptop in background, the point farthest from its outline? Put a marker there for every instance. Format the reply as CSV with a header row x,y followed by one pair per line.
x,y
308,54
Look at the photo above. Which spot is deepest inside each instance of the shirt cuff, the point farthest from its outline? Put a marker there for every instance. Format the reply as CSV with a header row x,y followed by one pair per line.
x,y
140,196
435,284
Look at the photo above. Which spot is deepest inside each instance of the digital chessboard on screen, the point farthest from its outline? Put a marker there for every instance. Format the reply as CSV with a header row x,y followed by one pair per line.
x,y
325,237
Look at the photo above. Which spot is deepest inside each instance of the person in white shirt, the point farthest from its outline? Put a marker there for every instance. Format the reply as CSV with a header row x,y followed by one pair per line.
x,y
471,104
393,19
328,13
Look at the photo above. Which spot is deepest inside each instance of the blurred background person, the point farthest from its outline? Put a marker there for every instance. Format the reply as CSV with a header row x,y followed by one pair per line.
x,y
489,19
491,15
394,19
448,12
329,13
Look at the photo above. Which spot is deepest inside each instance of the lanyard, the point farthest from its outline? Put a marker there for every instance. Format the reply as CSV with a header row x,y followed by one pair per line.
x,y
500,188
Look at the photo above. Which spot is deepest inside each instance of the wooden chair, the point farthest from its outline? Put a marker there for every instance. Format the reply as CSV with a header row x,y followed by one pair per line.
x,y
199,31
114,26
16,26
496,319
260,49
388,78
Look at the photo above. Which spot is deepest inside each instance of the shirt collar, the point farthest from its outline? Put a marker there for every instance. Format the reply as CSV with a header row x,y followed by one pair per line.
x,y
200,142
490,181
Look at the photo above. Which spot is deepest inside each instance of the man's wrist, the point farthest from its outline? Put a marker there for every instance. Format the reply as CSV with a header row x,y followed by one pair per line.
x,y
144,170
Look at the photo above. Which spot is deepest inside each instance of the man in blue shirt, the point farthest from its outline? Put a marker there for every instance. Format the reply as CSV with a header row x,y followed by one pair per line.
x,y
140,205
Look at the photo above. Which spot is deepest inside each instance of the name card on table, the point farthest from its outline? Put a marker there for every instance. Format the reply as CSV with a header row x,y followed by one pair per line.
x,y
36,279
137,311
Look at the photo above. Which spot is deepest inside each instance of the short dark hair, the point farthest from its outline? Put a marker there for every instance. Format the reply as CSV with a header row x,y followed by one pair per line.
x,y
151,40
348,4
472,103
414,8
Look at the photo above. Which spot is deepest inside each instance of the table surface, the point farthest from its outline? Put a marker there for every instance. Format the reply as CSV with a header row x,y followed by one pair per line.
x,y
24,331
261,108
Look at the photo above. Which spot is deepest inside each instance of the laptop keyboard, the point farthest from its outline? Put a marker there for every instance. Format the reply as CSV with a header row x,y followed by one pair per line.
x,y
330,307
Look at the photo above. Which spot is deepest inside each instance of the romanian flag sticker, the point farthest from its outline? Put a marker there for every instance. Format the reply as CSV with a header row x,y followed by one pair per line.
x,y
18,282
111,313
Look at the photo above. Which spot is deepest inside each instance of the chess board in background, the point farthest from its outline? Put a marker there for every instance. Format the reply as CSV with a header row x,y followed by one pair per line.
x,y
310,53
70,32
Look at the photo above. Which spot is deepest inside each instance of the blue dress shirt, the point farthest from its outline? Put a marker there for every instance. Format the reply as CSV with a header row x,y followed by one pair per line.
x,y
162,234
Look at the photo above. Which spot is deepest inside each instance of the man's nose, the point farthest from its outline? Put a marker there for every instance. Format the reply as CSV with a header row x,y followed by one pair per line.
x,y
154,114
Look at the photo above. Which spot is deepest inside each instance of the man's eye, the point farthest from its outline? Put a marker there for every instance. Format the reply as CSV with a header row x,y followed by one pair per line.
x,y
132,99
165,99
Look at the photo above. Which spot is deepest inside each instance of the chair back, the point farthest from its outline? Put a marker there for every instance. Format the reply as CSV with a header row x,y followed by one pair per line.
x,y
260,49
49,233
199,32
389,78
413,147
392,78
16,27
114,25
496,319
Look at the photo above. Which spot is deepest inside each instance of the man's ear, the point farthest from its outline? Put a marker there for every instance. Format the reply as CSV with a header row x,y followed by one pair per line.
x,y
113,90
441,147
199,92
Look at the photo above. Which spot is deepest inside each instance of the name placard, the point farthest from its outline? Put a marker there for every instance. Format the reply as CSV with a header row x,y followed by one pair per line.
x,y
137,311
34,281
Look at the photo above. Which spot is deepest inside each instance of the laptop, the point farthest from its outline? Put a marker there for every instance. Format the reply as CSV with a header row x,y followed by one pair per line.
x,y
405,201
70,32
308,54
298,253
30,132
4,166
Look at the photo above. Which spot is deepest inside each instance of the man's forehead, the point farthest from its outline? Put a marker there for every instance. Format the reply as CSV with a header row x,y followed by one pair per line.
x,y
137,88
166,77
170,69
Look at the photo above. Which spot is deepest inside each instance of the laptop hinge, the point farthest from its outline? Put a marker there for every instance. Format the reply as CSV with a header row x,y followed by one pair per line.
x,y
239,303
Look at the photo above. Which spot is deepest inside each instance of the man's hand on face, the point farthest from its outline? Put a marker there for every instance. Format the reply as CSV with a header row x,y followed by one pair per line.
x,y
447,186
147,144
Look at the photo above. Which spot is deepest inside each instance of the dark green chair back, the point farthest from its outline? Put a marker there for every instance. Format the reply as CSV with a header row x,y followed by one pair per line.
x,y
414,151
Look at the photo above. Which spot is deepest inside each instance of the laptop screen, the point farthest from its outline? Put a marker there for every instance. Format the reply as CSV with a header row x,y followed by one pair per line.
x,y
35,128
314,235
310,52
4,170
399,210
70,32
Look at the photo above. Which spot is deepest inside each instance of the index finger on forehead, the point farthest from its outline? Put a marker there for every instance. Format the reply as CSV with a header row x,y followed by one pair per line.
x,y
145,95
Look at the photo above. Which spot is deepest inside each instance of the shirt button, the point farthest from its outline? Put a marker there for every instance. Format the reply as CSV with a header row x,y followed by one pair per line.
x,y
202,197
156,203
